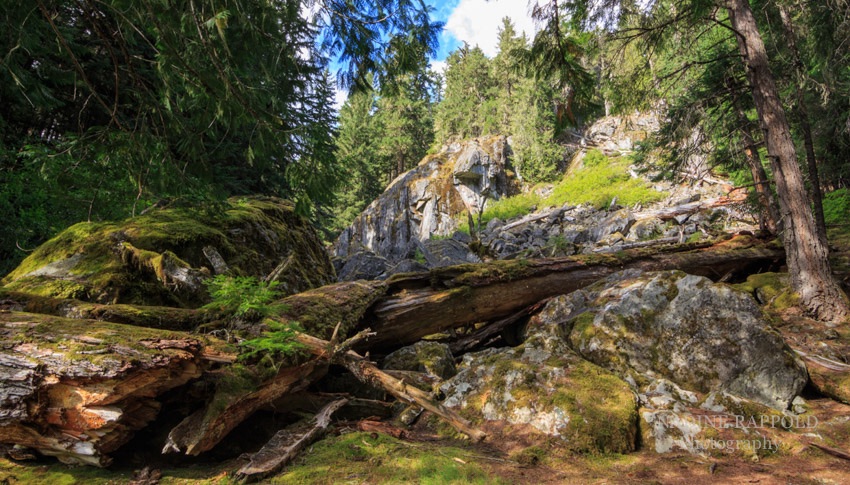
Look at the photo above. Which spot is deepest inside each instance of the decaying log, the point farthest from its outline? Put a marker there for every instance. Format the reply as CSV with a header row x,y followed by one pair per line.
x,y
161,317
667,213
422,304
366,372
205,428
487,333
287,443
79,389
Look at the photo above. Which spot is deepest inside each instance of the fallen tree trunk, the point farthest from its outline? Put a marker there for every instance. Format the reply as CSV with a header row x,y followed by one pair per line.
x,y
79,389
424,304
287,443
161,317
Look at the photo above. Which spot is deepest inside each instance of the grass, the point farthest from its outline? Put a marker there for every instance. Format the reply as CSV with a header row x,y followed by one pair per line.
x,y
597,182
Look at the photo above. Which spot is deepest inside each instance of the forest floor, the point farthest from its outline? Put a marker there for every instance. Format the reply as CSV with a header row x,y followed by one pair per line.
x,y
426,455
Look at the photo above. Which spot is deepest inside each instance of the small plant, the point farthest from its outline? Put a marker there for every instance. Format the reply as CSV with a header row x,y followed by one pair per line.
x,y
244,296
278,343
419,257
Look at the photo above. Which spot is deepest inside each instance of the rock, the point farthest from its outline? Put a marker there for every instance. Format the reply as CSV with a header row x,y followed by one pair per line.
x,y
427,199
645,229
446,252
431,357
364,265
618,221
407,266
702,336
542,386
162,256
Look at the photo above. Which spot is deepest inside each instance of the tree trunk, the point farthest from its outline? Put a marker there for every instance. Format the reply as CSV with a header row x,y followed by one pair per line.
x,y
428,303
770,218
807,254
805,126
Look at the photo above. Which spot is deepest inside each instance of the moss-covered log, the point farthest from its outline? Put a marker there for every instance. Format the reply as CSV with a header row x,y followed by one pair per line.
x,y
159,317
79,389
422,304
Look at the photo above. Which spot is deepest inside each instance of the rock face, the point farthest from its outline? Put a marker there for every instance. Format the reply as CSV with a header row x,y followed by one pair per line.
x,y
432,358
544,387
161,257
702,336
425,201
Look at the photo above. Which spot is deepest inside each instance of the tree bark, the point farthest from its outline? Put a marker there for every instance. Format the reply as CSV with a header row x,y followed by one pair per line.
x,y
805,126
807,254
770,218
79,389
287,443
428,303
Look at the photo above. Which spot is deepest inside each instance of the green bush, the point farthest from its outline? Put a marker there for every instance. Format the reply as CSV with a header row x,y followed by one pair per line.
x,y
836,206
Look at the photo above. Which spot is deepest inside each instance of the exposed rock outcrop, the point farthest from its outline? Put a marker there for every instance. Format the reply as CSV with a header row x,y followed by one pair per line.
x,y
702,336
161,257
426,201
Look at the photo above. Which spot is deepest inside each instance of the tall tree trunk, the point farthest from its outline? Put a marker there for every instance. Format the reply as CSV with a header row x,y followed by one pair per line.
x,y
807,254
770,218
805,126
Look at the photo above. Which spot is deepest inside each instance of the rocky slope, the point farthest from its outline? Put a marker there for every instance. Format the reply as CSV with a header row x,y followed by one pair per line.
x,y
412,226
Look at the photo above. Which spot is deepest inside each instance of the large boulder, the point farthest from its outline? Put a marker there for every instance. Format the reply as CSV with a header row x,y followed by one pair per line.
x,y
700,335
544,388
162,257
427,200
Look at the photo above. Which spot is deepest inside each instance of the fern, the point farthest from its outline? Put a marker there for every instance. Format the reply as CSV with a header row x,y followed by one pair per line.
x,y
244,296
278,342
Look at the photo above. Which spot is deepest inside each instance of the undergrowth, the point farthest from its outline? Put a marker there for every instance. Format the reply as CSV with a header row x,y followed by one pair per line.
x,y
597,182
836,206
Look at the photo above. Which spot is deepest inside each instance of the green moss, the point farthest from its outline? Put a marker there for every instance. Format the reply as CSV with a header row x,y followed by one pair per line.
x,y
125,262
377,458
319,310
836,206
771,289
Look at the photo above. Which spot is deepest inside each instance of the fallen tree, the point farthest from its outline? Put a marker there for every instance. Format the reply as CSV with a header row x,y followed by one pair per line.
x,y
423,304
79,389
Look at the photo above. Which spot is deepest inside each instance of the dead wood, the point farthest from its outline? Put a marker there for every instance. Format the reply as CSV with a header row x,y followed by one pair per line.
x,y
374,426
165,318
368,373
205,428
286,444
79,389
418,305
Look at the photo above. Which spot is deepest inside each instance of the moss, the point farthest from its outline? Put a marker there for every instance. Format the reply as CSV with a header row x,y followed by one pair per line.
x,y
377,458
770,289
318,311
124,262
85,340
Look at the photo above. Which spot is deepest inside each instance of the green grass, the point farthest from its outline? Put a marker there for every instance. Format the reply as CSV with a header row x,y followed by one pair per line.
x,y
365,458
597,182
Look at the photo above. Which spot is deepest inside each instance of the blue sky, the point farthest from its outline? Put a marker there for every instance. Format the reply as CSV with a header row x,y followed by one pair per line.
x,y
473,21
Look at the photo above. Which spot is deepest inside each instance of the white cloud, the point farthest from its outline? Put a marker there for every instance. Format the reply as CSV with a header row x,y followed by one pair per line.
x,y
477,21
340,96
438,66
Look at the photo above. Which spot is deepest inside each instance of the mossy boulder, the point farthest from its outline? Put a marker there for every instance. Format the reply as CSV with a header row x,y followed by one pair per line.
x,y
544,388
702,336
161,257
